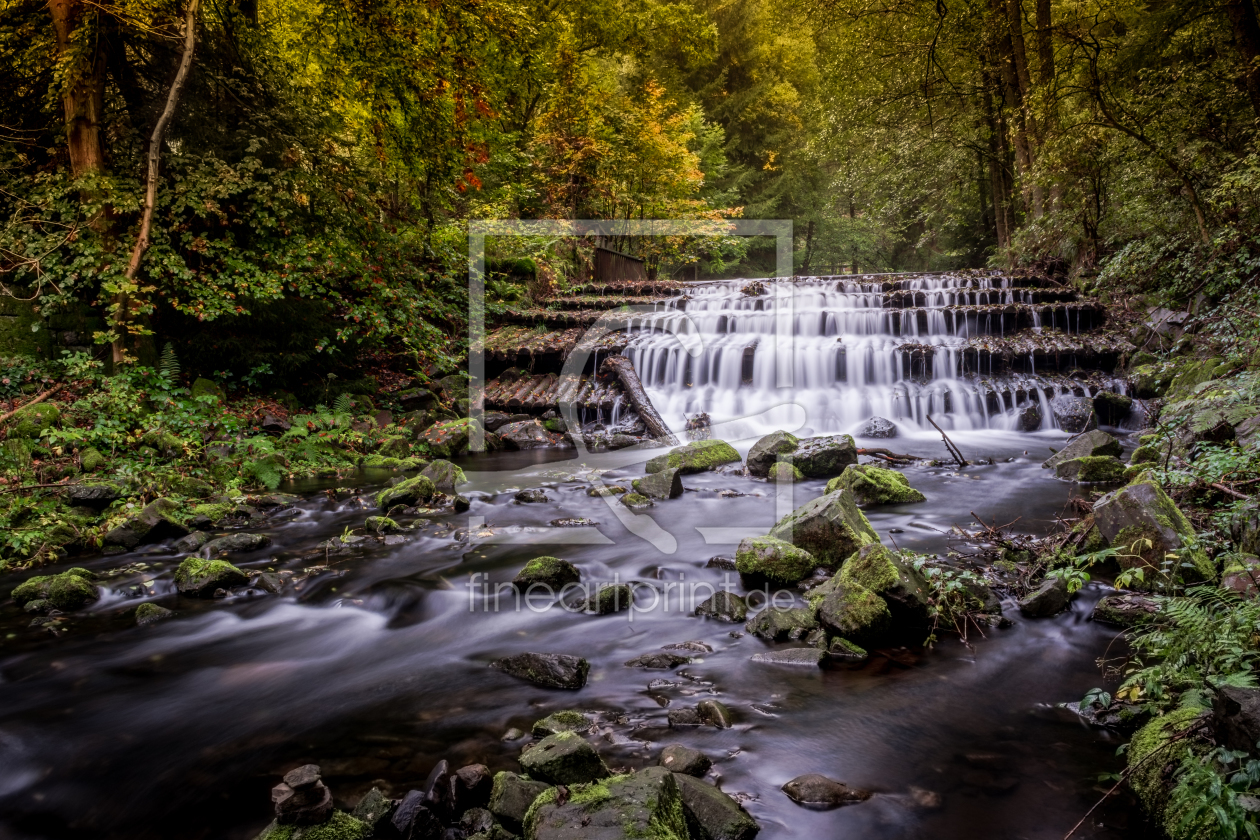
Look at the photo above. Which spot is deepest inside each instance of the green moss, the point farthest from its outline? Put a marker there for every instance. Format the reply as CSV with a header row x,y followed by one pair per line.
x,y
275,831
774,559
636,500
853,611
873,485
340,826
148,613
549,570
71,590
783,471
215,511
1145,454
382,462
566,720
696,456
1093,468
380,524
872,569
91,459
207,388
33,420
410,492
199,576
395,446
1149,779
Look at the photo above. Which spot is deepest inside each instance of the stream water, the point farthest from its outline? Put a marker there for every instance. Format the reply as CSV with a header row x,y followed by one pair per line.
x,y
374,665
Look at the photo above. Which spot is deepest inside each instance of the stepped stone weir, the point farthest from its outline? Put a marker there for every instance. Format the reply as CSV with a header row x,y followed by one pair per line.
x,y
975,349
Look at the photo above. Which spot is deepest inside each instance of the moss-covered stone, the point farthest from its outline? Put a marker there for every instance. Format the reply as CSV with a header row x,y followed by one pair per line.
x,y
203,387
199,577
765,452
1149,381
449,438
444,475
380,525
831,528
33,420
214,511
566,720
889,576
394,446
1147,454
160,519
412,492
1190,374
1111,407
564,758
1151,777
782,625
851,610
549,571
774,559
781,471
1093,444
1089,538
663,484
872,485
822,457
150,613
697,456
610,598
1102,469
91,459
71,590
1147,527
512,796
636,501
842,649
340,826
646,805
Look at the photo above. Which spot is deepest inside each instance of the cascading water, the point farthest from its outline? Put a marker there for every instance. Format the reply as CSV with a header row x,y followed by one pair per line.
x,y
844,350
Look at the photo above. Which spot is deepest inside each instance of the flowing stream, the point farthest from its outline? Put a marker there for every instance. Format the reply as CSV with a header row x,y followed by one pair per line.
x,y
373,663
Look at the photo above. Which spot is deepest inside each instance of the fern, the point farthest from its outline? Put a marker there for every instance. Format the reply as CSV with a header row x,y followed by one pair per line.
x,y
168,366
266,471
343,405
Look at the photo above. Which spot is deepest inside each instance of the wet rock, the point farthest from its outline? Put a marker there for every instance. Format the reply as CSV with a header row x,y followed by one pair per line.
x,y
711,814
495,420
572,522
657,661
532,496
549,670
94,496
476,821
451,437
513,734
830,528
1112,408
1146,524
1051,598
236,544
665,484
726,606
685,760
849,609
693,646
889,576
527,434
818,791
694,457
878,427
198,577
415,820
547,571
807,656
380,525
822,457
192,543
774,559
444,475
157,521
1125,610
302,799
439,791
1243,576
563,759
512,796
1236,713
1092,444
414,491
754,289
69,591
685,716
782,625
460,503
1029,417
782,472
720,563
416,399
644,804
147,614
1073,414
566,720
615,442
765,452
1105,469
375,810
636,501
872,485
842,650
609,599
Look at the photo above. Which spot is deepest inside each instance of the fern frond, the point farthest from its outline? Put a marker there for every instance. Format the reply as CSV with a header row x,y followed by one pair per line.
x,y
168,365
343,404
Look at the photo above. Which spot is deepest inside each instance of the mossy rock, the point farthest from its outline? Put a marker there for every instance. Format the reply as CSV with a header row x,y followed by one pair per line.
x,y
450,438
783,625
566,720
71,590
610,598
885,573
831,528
214,511
382,462
147,614
765,452
1149,381
646,804
547,571
394,446
564,758
165,442
1101,469
872,485
1192,374
636,501
199,578
411,492
774,559
1153,780
1146,454
662,485
823,456
1140,512
203,387
444,475
851,610
1094,443
158,520
194,488
33,420
380,525
782,471
1093,540
91,459
695,457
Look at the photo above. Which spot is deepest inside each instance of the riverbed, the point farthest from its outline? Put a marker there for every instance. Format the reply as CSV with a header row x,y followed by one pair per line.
x,y
374,666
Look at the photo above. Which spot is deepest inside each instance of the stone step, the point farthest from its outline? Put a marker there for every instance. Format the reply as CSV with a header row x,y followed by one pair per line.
x,y
523,345
514,390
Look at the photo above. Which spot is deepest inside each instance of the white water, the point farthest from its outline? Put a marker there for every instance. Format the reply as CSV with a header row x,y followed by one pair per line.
x,y
834,349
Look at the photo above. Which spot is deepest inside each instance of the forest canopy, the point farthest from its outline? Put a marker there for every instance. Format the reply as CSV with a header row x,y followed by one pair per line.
x,y
319,161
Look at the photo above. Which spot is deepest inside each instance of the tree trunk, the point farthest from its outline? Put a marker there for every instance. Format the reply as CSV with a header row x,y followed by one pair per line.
x,y
83,96
1045,45
638,398
1013,98
1019,57
809,248
997,165
1242,19
852,216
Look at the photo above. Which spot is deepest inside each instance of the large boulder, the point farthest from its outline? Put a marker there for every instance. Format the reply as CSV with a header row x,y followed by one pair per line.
x,y
1073,414
201,578
1051,598
872,485
1146,527
527,434
549,670
697,456
822,457
711,814
830,527
450,437
564,758
71,590
414,491
774,559
1092,444
645,804
821,792
765,452
1112,408
31,421
158,520
547,571
878,427
889,576
1103,468
665,484
444,475
849,609
512,796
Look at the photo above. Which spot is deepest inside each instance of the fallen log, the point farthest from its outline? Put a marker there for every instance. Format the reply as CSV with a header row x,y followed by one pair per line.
x,y
888,456
35,401
638,398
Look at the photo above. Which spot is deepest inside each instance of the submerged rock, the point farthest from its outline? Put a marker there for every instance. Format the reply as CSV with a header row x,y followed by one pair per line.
x,y
818,791
200,578
715,713
694,457
774,559
532,496
765,452
69,591
1092,444
807,656
1051,598
665,484
609,599
726,606
645,804
636,501
830,528
657,661
872,485
563,759
566,720
684,760
822,457
548,571
878,427
549,670
1146,526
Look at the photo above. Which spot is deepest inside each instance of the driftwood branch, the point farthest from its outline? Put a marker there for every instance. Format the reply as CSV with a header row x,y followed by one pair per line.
x,y
38,399
638,398
949,444
155,155
888,456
